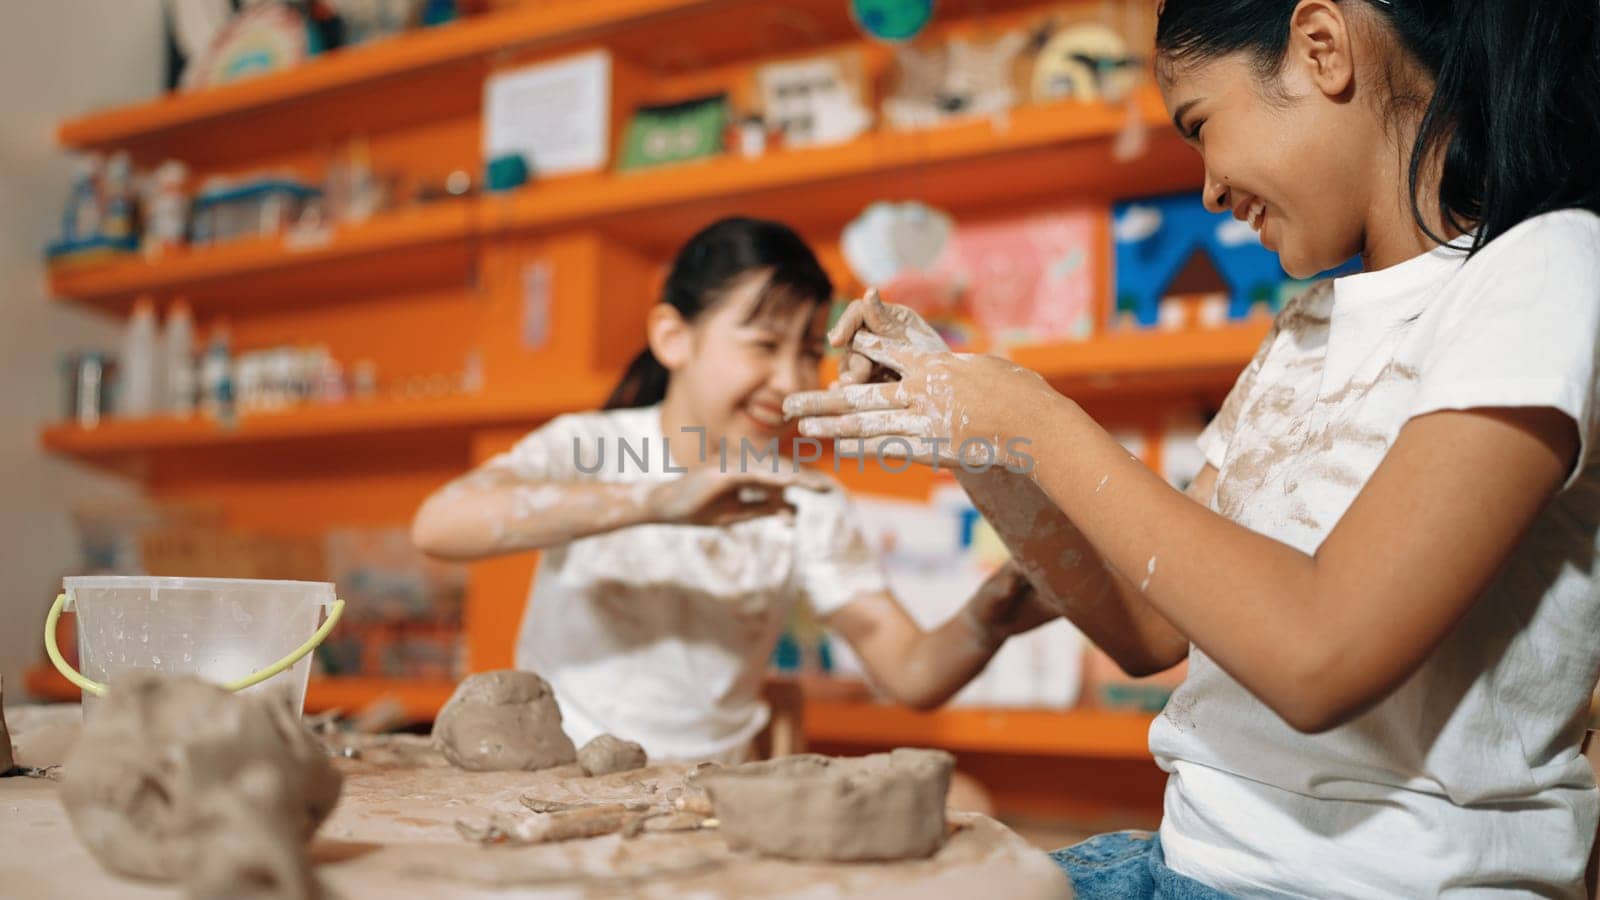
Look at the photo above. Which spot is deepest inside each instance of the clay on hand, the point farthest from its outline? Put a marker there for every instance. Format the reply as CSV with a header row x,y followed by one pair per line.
x,y
871,315
712,497
160,755
503,721
952,408
883,807
1006,604
606,755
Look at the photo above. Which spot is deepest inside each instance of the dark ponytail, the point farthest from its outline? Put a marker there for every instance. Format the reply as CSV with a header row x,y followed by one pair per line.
x,y
1515,106
706,268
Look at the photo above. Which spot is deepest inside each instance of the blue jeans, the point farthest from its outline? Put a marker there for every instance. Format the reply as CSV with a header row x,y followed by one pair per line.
x,y
1127,865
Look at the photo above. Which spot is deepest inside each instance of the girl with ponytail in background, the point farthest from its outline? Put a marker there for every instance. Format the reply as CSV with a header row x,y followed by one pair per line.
x,y
669,568
1387,578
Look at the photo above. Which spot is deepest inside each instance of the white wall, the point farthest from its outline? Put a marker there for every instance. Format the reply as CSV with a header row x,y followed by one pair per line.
x,y
58,58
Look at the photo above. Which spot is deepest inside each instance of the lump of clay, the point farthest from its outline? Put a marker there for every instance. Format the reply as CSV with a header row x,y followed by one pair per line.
x,y
243,855
502,721
606,755
888,806
160,754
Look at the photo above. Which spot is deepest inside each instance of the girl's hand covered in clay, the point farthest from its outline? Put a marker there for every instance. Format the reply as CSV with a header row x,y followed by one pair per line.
x,y
958,408
873,316
710,496
1006,604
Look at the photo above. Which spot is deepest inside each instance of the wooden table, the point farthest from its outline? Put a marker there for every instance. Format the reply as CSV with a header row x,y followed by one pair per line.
x,y
394,834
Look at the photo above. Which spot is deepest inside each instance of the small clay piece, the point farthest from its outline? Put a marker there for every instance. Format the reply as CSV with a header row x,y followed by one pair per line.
x,y
888,806
678,820
557,806
503,721
160,755
571,825
606,755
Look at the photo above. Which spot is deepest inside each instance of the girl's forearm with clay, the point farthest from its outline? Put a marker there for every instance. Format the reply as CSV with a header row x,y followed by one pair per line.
x,y
495,510
1057,557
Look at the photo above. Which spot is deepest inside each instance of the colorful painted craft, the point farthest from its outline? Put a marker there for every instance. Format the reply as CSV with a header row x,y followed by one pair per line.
x,y
1180,266
675,133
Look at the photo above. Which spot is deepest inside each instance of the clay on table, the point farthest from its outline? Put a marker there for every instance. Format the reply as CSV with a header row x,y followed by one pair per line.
x,y
162,758
607,755
500,721
887,806
7,762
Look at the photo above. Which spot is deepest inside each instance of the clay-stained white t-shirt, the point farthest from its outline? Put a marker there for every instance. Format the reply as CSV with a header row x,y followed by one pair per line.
x,y
661,634
1467,780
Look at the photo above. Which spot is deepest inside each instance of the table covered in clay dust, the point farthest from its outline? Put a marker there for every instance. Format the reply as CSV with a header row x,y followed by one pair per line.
x,y
394,834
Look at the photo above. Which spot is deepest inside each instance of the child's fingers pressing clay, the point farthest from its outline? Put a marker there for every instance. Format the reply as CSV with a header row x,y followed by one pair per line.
x,y
871,315
713,497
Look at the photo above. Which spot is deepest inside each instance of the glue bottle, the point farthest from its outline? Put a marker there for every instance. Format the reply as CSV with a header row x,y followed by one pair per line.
x,y
140,363
177,350
216,375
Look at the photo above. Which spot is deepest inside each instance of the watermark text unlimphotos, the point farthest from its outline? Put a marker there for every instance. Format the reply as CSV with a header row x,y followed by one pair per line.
x,y
893,455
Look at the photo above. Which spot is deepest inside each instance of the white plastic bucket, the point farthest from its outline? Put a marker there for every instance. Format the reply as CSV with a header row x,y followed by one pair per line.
x,y
242,634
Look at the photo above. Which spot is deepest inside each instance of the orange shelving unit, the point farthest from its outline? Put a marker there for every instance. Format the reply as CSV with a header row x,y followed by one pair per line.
x,y
417,289
1056,149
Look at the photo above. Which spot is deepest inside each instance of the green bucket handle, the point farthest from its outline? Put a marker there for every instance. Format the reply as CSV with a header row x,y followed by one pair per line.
x,y
99,690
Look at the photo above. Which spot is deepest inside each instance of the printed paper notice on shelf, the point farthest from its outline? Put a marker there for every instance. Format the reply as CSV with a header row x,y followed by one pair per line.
x,y
556,114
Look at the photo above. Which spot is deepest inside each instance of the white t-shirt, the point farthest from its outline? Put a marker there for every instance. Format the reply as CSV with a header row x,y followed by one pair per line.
x,y
1467,780
661,633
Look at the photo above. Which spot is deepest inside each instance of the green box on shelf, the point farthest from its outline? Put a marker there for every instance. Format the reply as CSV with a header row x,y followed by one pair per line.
x,y
674,133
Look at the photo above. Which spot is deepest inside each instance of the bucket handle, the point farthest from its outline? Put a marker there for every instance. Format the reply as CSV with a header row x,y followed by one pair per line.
x,y
99,690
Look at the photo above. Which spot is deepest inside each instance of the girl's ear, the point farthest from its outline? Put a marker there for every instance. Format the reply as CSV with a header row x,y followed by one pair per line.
x,y
670,337
1320,46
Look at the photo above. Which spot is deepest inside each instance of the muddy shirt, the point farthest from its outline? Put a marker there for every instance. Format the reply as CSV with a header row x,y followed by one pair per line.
x,y
660,634
1467,779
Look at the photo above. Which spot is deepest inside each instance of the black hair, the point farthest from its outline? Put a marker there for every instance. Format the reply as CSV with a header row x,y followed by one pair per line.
x,y
714,261
1515,108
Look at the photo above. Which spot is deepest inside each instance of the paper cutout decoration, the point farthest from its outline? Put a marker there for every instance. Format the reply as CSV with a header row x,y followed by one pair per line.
x,y
264,38
677,132
1172,247
1085,62
958,79
1020,280
892,20
814,102
1008,282
891,239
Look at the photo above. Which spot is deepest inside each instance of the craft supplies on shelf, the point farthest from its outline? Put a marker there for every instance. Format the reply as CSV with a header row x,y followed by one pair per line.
x,y
139,392
265,205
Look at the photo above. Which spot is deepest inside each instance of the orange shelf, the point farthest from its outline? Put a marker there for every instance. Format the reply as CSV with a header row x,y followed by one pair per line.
x,y
1061,150
1034,152
421,700
537,25
363,257
1210,359
117,438
1077,733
